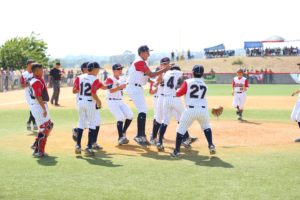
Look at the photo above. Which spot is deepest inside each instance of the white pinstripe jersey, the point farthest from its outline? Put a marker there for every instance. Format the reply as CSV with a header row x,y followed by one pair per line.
x,y
26,77
196,92
115,83
85,86
170,80
136,72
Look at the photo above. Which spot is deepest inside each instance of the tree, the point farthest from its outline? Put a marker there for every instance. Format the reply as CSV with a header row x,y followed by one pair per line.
x,y
15,52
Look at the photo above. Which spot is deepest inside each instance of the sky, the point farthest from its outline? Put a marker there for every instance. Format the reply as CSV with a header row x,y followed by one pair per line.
x,y
109,27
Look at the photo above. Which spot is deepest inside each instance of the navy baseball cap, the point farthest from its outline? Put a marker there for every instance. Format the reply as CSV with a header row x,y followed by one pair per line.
x,y
84,65
30,61
93,65
117,66
198,69
143,48
165,60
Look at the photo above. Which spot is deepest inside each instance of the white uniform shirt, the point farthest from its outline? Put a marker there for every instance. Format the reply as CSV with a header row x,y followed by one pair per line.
x,y
115,83
137,73
170,80
239,84
25,78
195,91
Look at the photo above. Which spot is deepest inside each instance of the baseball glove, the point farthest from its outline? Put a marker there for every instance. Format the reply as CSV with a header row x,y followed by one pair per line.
x,y
217,111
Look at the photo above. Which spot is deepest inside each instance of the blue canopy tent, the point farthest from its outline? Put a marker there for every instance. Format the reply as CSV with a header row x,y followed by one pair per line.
x,y
253,45
219,47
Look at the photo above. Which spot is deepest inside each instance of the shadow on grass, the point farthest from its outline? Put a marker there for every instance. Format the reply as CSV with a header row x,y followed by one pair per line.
x,y
191,155
250,122
100,158
47,161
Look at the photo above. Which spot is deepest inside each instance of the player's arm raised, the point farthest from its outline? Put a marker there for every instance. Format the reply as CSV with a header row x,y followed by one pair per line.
x,y
182,90
142,66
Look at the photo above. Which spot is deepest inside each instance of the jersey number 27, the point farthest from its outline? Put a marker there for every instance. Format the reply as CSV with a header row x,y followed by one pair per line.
x,y
195,89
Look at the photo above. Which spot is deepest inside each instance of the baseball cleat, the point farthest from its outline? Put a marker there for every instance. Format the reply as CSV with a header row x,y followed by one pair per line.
x,y
160,147
297,140
89,152
175,154
97,147
77,149
212,149
35,128
186,144
33,146
153,141
40,155
139,141
74,134
145,141
28,127
123,140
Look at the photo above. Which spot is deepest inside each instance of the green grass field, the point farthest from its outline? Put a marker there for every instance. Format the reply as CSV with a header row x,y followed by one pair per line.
x,y
260,172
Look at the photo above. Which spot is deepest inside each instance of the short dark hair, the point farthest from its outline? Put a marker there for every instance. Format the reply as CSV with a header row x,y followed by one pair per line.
x,y
36,66
57,63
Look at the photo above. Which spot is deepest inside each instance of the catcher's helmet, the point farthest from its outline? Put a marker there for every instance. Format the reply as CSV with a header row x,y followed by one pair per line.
x,y
93,65
84,66
198,71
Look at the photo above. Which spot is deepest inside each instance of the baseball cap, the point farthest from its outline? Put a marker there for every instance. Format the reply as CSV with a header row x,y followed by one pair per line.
x,y
165,60
117,66
84,65
30,61
143,48
240,71
198,69
93,65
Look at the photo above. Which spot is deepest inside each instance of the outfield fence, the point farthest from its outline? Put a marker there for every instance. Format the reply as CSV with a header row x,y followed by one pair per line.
x,y
254,78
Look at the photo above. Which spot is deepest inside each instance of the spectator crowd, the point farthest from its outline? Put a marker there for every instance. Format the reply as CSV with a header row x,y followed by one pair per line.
x,y
286,51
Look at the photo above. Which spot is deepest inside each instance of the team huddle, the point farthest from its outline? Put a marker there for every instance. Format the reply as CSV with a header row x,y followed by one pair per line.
x,y
167,86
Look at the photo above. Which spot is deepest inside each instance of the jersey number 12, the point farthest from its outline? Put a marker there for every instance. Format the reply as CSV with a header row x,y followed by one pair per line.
x,y
85,89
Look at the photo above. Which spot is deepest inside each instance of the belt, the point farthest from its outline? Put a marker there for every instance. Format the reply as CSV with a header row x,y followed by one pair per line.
x,y
196,107
80,99
239,92
155,96
169,96
114,99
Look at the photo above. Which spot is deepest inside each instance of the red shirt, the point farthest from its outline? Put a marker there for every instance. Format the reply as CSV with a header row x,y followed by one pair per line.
x,y
39,86
96,85
182,90
141,66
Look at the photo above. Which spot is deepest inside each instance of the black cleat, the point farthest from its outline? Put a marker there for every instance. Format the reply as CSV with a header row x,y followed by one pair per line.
x,y
139,141
297,140
175,154
160,147
145,141
123,140
212,149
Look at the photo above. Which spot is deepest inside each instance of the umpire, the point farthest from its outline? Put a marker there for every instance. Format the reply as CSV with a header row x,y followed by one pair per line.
x,y
55,77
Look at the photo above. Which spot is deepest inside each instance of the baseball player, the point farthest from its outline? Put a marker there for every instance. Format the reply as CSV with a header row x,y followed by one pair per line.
x,y
156,89
138,77
84,70
239,88
25,78
38,104
295,116
88,104
194,90
172,104
117,107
